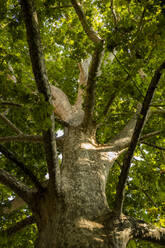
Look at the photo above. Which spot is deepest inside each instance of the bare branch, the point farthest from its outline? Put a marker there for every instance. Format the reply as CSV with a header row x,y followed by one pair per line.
x,y
31,138
22,138
18,226
10,124
120,191
9,155
18,187
88,30
150,135
91,84
10,104
83,77
154,146
62,106
39,70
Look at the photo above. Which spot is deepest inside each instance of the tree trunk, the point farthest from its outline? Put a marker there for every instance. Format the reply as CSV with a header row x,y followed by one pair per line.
x,y
74,218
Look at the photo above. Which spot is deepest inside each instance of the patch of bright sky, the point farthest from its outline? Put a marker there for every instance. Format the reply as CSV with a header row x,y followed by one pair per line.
x,y
59,133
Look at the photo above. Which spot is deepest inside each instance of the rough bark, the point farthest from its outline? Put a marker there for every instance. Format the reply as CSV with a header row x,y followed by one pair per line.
x,y
80,216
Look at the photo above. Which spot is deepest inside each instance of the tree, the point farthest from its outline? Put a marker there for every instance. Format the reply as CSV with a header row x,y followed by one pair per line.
x,y
105,92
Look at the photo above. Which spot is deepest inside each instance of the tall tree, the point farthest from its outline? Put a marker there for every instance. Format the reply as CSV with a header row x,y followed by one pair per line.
x,y
82,123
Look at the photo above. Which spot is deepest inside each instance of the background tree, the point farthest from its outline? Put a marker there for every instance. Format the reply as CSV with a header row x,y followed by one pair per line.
x,y
97,78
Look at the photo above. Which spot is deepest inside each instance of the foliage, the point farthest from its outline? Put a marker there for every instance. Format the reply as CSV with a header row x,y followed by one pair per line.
x,y
134,34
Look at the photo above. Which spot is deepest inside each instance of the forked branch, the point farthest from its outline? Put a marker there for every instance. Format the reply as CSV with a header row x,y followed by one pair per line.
x,y
39,70
18,202
120,191
18,187
9,155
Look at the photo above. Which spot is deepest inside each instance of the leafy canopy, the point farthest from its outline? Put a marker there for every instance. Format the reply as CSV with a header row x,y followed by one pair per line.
x,y
134,34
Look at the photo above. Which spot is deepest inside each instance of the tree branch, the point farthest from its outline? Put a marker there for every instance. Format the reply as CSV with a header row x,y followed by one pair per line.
x,y
83,77
148,232
123,139
113,146
154,146
113,13
13,205
18,187
22,138
61,7
93,36
9,155
32,139
61,104
10,104
91,84
39,70
150,135
120,190
18,202
109,103
124,228
18,226
10,124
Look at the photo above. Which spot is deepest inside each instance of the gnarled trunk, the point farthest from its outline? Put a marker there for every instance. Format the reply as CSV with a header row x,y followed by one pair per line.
x,y
74,218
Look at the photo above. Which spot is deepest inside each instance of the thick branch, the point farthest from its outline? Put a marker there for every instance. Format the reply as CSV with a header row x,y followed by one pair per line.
x,y
120,148
135,137
83,77
91,84
109,103
61,104
18,187
18,202
22,138
123,139
93,36
10,124
8,154
18,226
39,70
148,232
124,228
32,139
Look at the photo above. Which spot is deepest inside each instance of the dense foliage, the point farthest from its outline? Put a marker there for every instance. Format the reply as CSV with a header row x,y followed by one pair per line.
x,y
134,48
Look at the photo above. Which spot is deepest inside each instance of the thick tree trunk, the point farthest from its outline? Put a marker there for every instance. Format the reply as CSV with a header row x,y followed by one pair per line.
x,y
73,219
